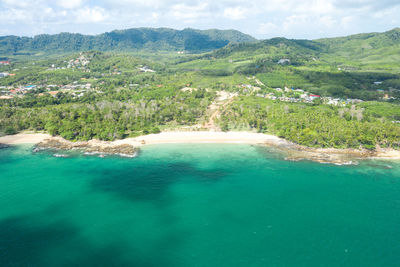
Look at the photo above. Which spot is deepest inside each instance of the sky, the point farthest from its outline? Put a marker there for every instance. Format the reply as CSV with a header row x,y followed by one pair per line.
x,y
301,19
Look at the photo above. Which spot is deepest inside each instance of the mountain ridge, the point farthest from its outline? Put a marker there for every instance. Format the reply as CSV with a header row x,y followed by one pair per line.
x,y
192,41
167,39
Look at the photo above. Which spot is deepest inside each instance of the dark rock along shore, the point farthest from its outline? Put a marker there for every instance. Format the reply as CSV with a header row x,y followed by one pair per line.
x,y
52,143
3,146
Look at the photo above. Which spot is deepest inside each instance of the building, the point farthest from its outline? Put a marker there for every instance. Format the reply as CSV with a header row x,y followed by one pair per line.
x,y
53,93
146,69
284,61
314,96
30,87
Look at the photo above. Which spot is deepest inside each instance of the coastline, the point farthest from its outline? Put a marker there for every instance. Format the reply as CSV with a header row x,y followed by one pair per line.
x,y
202,137
292,151
336,156
24,138
161,138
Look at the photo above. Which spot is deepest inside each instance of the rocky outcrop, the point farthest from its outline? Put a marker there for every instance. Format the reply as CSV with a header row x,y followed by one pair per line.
x,y
3,146
90,147
124,149
349,156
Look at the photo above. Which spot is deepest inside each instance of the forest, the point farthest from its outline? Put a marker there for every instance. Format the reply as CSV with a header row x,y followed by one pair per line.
x,y
318,125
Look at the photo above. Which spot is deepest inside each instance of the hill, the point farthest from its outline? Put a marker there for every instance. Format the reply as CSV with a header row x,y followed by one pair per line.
x,y
362,42
366,49
359,66
151,39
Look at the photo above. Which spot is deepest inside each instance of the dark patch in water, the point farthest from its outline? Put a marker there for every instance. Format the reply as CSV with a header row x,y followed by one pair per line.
x,y
188,169
136,184
4,146
24,243
151,182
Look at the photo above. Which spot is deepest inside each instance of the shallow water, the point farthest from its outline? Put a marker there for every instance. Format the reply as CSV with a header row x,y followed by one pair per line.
x,y
196,205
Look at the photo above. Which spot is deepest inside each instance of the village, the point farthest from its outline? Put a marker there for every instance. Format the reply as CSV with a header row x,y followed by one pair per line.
x,y
79,88
301,96
5,63
76,89
293,95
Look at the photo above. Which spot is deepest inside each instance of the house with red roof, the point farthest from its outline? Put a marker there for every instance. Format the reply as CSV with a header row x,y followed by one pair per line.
x,y
314,96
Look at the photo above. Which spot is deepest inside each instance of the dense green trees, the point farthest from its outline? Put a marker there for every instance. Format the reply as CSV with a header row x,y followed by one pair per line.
x,y
317,125
124,40
107,120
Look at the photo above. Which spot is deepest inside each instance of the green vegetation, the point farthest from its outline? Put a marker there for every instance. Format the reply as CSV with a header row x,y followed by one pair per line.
x,y
363,125
108,120
123,40
114,94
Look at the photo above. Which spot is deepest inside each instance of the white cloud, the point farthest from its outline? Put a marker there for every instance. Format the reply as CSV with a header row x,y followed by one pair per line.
x,y
320,7
327,21
189,13
347,21
366,4
267,28
14,15
137,3
155,15
235,13
293,21
13,3
87,15
70,3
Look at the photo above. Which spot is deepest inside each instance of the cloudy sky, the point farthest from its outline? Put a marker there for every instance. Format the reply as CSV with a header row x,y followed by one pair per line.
x,y
260,18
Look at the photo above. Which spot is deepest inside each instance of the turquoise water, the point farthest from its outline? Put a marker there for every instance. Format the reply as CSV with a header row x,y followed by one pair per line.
x,y
196,205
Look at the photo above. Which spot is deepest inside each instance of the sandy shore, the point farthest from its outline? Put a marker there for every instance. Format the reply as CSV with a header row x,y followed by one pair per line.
x,y
201,137
293,151
23,138
161,138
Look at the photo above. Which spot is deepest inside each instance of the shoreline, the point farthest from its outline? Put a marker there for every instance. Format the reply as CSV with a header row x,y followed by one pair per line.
x,y
24,138
161,138
292,151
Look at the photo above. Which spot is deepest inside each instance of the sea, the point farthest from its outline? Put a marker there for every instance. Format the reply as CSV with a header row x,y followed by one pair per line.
x,y
196,205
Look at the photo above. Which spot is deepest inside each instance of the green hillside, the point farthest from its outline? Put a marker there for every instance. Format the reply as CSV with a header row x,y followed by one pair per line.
x,y
367,50
363,43
160,39
337,67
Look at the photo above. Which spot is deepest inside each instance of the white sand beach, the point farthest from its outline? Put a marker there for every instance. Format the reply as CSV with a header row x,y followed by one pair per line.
x,y
202,137
23,138
162,138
